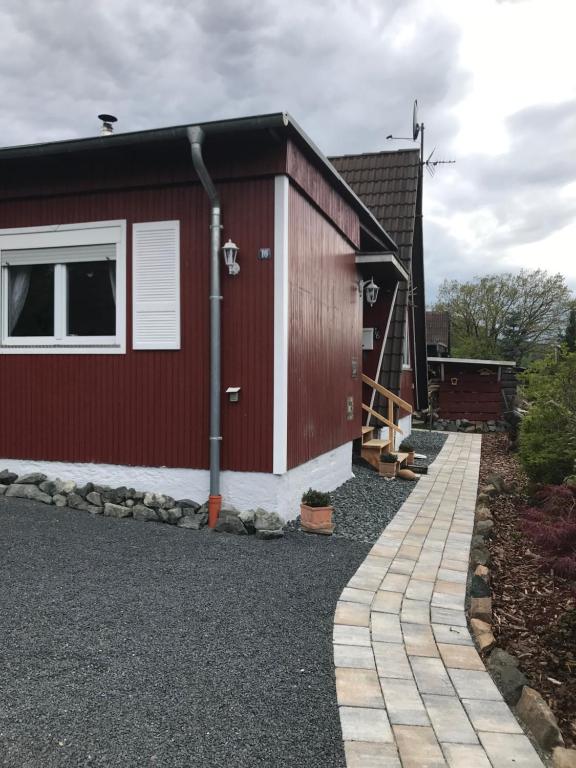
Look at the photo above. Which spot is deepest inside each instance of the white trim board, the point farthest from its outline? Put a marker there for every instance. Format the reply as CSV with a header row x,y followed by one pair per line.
x,y
245,490
281,266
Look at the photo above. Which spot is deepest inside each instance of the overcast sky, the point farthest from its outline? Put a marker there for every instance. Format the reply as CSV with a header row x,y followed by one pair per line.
x,y
495,81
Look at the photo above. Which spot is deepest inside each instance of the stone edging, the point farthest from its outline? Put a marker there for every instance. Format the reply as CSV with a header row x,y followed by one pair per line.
x,y
412,689
126,502
530,706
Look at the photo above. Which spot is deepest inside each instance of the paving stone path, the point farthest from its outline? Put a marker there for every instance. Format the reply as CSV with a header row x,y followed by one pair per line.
x,y
412,690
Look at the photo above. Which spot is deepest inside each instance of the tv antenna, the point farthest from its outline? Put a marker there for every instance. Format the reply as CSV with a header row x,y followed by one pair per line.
x,y
418,130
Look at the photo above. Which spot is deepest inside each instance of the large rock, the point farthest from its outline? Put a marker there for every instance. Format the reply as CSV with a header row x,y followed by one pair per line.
x,y
94,498
564,758
504,669
116,510
141,512
32,478
113,495
229,522
267,521
483,635
187,504
158,501
539,718
483,499
483,513
479,556
60,500
84,490
483,572
248,516
58,486
195,521
3,489
75,501
266,534
28,491
484,527
481,608
479,587
7,477
172,515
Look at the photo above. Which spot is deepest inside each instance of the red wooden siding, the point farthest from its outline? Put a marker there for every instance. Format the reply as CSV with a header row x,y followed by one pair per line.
x,y
151,408
474,396
311,181
325,324
407,388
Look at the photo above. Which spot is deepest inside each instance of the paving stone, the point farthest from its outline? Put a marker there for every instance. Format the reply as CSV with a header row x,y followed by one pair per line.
x,y
368,581
425,572
419,590
351,595
387,602
447,616
409,552
506,750
450,588
403,702
344,634
465,756
460,656
453,602
392,661
449,719
354,614
470,684
402,565
365,754
358,688
364,724
419,640
385,628
356,656
431,676
452,635
492,716
415,611
395,582
418,747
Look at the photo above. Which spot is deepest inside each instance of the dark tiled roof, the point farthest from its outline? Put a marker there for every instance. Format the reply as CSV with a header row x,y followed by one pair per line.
x,y
387,182
438,328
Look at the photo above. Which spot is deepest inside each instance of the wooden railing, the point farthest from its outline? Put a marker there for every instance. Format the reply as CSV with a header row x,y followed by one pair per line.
x,y
392,401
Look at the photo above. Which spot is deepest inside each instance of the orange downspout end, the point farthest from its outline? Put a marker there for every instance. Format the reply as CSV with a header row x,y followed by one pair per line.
x,y
214,507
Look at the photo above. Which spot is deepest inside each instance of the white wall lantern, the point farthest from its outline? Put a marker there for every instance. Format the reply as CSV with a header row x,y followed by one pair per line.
x,y
230,251
369,290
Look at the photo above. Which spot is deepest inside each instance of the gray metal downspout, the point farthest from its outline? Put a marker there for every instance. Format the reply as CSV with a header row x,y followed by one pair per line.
x,y
196,138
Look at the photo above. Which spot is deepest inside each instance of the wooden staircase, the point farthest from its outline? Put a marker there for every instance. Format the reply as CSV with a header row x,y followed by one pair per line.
x,y
373,448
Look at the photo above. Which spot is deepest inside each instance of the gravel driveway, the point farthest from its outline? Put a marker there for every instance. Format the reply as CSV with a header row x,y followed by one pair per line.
x,y
125,643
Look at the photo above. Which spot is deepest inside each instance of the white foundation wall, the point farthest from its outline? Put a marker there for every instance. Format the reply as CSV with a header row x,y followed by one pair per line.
x,y
245,490
405,424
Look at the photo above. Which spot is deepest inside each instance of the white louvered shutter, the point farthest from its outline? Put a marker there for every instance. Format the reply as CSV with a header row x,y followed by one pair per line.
x,y
156,285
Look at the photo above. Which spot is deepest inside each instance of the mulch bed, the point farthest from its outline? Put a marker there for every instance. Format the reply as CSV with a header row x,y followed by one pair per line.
x,y
530,603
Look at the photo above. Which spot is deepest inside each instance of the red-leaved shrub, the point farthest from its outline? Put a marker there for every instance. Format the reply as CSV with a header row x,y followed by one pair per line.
x,y
551,524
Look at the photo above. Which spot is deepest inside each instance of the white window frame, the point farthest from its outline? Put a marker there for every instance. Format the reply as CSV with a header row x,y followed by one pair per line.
x,y
55,236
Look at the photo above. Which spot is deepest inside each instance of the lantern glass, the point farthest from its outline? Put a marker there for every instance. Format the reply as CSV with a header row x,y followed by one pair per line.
x,y
230,251
371,292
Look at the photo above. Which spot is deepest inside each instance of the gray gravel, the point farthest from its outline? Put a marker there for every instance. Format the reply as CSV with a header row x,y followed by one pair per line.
x,y
364,505
125,643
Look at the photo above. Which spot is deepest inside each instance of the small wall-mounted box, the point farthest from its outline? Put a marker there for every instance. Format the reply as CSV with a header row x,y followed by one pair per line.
x,y
367,338
233,394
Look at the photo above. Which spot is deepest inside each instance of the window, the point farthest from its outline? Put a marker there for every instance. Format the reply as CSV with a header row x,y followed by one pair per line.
x,y
63,288
406,343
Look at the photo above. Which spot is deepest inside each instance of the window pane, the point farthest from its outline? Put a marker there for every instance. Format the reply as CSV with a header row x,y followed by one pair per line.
x,y
31,300
92,298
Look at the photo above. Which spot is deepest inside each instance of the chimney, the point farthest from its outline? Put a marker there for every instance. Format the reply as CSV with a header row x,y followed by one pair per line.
x,y
107,127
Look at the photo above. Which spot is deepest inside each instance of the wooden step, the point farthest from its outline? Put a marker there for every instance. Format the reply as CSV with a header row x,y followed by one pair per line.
x,y
373,449
382,444
367,433
401,457
367,429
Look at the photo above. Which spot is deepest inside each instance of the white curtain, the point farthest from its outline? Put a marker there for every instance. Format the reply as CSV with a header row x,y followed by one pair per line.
x,y
19,286
112,274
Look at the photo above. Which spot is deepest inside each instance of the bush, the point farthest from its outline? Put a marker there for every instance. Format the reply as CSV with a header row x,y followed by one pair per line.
x,y
389,458
548,431
406,447
314,498
551,524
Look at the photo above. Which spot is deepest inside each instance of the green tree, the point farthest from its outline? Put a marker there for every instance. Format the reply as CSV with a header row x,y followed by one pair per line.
x,y
514,316
570,334
548,431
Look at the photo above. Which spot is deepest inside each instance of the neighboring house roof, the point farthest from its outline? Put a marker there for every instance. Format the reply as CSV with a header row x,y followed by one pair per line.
x,y
279,122
390,185
387,182
438,328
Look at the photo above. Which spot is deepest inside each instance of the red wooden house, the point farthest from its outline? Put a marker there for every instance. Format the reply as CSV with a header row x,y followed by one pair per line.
x,y
108,369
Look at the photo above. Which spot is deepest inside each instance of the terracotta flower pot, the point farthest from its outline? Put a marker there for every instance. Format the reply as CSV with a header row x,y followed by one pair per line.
x,y
316,519
411,457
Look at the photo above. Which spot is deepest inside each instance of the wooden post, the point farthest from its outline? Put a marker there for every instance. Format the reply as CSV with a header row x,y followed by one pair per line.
x,y
391,420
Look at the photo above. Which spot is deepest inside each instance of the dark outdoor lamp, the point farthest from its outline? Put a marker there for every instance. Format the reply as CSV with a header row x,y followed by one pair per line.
x,y
230,251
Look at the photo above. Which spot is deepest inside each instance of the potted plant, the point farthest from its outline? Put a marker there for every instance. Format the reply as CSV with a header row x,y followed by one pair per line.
x,y
316,512
408,448
388,464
